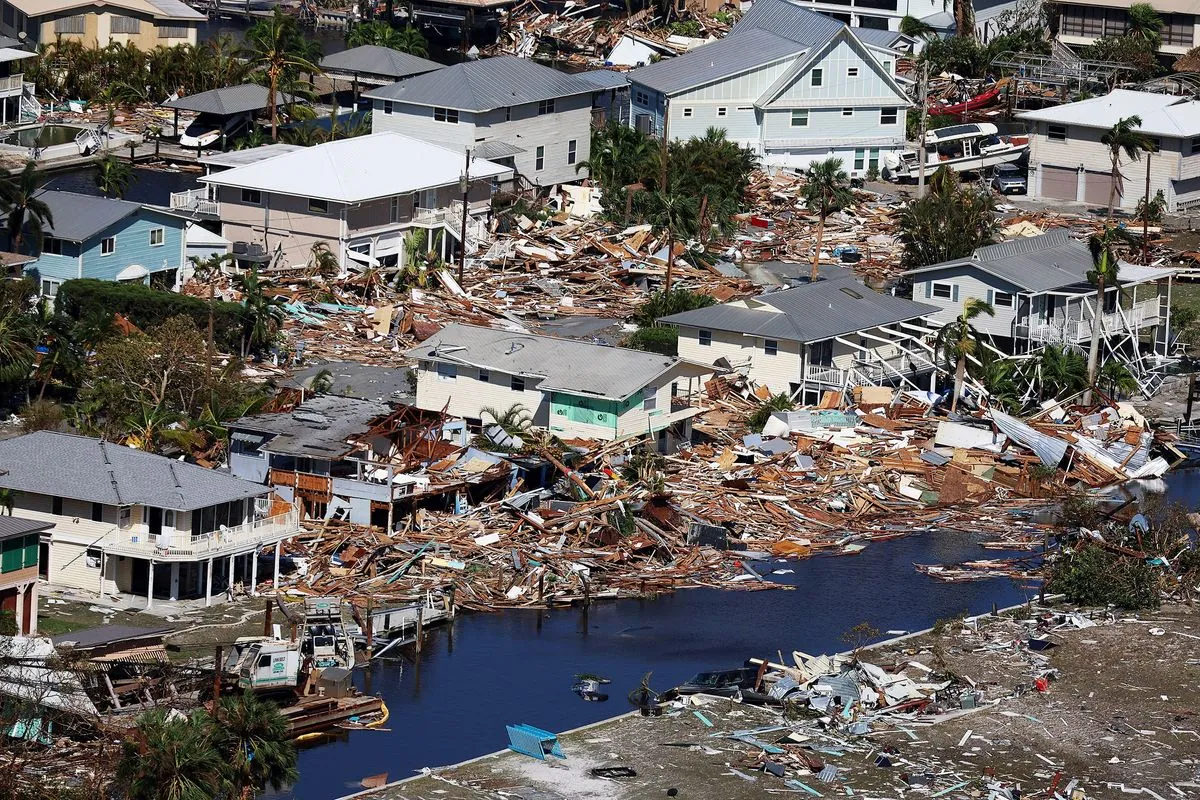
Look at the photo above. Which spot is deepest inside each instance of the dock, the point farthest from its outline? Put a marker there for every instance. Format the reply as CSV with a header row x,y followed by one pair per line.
x,y
317,714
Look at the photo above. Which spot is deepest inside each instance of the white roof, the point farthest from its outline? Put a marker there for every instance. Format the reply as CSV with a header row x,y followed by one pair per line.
x,y
1162,114
14,54
1136,273
196,235
358,169
26,675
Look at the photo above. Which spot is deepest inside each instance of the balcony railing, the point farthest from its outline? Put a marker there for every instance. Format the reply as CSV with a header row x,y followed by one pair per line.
x,y
11,84
217,543
194,200
1072,331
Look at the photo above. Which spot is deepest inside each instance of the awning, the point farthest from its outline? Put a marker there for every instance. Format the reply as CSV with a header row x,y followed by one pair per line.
x,y
248,437
495,149
134,272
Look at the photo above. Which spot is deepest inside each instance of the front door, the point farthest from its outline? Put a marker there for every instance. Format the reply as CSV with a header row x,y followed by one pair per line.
x,y
154,518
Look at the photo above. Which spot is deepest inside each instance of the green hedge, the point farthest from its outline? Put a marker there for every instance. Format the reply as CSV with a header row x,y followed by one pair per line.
x,y
146,307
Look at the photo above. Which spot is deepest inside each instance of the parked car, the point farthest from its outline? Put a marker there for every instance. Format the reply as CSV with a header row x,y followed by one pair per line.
x,y
1009,179
207,130
724,683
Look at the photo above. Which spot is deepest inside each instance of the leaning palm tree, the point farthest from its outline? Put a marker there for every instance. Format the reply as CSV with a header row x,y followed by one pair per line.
x,y
171,759
18,340
113,176
1102,275
252,738
1123,137
827,191
273,48
917,29
1144,24
674,215
264,312
959,340
20,198
1060,372
514,420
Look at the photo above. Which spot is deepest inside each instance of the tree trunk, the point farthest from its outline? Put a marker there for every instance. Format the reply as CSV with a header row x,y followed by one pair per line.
x,y
670,259
960,373
274,105
1112,188
814,275
1094,350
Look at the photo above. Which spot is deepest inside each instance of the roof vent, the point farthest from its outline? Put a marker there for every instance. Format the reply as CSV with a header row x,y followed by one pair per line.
x,y
847,290
514,347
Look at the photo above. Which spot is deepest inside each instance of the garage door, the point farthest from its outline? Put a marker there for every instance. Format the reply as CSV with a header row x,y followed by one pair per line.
x,y
1095,189
1059,183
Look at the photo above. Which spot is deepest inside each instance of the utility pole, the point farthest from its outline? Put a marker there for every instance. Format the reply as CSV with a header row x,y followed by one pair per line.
x,y
217,666
1146,213
924,94
465,185
209,349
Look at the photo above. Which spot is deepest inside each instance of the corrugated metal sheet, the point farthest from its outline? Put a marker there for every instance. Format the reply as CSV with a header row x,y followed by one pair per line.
x,y
717,61
1049,449
790,20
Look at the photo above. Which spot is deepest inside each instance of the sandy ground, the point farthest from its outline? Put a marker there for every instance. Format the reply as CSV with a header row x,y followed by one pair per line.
x,y
1123,717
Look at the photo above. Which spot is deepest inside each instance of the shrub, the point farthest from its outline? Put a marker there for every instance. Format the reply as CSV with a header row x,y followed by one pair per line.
x,y
776,402
41,415
1093,576
663,304
655,339
148,308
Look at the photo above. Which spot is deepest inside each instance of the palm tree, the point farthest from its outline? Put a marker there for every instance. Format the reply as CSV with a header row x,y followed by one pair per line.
x,y
171,759
409,40
825,192
8,501
20,199
205,269
620,155
1144,24
674,214
1118,381
113,176
264,311
917,29
1123,137
1102,275
321,383
18,341
323,260
516,420
273,46
964,18
1060,372
381,34
252,738
959,340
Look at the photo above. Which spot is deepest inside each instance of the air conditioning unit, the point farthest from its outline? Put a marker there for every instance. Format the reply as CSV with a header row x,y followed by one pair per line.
x,y
644,124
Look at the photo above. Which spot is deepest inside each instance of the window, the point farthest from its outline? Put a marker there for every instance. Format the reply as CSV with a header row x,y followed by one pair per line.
x,y
318,206
1194,147
517,384
572,151
388,107
860,157
770,346
172,31
252,197
108,245
722,111
674,388
800,118
120,24
818,77
539,158
1178,30
157,237
394,209
847,112
545,107
851,72
52,246
888,116
687,113
873,158
446,115
73,24
125,517
1057,132
485,376
97,512
508,113
447,372
50,287
169,518
649,398
641,98
887,67
56,506
704,337
944,291
1002,299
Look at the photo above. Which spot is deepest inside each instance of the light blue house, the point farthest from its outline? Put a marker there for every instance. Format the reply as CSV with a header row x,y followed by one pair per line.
x,y
794,85
112,240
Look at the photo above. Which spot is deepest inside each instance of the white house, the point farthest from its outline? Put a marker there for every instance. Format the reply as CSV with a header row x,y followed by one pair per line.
x,y
794,85
514,111
802,341
128,522
1067,160
572,389
1082,22
360,196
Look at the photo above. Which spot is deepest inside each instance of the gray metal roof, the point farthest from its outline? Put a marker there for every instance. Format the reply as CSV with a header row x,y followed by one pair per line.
x,y
175,9
716,61
789,20
811,313
371,59
15,526
107,634
602,78
1034,263
92,470
485,84
251,155
77,217
495,149
318,428
363,381
565,365
228,101
878,38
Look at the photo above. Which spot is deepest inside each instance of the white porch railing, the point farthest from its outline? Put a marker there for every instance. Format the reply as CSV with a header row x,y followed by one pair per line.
x,y
830,375
1074,331
11,84
196,200
217,543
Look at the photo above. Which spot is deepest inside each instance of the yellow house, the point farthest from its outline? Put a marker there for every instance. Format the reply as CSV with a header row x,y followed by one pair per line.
x,y
99,23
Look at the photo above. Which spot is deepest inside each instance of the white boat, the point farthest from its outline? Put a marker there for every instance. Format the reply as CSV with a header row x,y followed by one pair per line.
x,y
963,148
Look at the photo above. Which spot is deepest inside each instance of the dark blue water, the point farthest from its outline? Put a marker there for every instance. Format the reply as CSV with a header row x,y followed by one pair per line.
x,y
152,186
517,666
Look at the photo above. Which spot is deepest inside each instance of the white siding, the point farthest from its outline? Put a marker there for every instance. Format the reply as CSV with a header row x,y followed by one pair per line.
x,y
838,88
571,120
418,122
466,396
970,282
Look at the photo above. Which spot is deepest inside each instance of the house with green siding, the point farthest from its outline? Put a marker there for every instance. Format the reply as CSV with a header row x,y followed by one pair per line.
x,y
20,543
104,238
